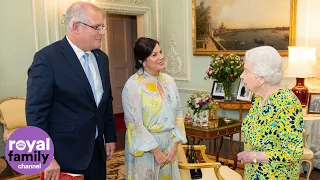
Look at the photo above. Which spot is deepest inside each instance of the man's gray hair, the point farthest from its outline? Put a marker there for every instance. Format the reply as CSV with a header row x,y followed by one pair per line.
x,y
78,12
267,63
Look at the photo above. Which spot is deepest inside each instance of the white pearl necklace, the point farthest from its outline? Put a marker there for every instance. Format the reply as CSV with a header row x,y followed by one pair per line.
x,y
263,100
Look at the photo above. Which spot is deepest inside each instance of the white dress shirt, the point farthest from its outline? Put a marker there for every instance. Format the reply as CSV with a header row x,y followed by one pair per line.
x,y
94,69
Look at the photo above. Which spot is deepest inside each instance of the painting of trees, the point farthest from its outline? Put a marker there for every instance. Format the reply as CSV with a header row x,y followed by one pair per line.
x,y
202,20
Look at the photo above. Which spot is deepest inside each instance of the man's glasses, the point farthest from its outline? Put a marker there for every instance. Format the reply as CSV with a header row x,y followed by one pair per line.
x,y
98,28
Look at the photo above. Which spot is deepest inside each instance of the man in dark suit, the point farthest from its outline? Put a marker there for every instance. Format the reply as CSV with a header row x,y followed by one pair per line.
x,y
69,96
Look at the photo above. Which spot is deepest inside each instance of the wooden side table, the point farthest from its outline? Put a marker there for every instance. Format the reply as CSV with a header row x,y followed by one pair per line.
x,y
235,105
222,127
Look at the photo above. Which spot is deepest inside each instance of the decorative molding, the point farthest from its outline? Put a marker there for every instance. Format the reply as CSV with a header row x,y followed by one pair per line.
x,y
173,64
35,28
185,63
191,90
56,21
114,0
145,12
137,1
187,43
183,71
46,21
157,21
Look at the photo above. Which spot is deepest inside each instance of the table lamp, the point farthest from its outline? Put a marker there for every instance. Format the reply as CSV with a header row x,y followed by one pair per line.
x,y
301,64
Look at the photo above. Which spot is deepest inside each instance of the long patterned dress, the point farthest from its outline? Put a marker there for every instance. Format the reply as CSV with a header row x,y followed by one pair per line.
x,y
151,122
274,127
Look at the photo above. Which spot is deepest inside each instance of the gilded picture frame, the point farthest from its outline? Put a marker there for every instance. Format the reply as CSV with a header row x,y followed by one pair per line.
x,y
237,31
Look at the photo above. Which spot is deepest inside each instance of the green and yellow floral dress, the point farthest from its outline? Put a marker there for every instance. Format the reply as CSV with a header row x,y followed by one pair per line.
x,y
275,127
151,122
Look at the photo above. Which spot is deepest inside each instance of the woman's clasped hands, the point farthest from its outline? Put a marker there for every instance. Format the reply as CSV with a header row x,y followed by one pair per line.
x,y
163,159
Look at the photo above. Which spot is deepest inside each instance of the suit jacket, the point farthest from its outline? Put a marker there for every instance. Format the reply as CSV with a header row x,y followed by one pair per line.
x,y
60,101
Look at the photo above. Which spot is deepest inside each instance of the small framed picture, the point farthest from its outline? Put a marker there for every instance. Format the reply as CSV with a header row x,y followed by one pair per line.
x,y
314,103
243,94
217,90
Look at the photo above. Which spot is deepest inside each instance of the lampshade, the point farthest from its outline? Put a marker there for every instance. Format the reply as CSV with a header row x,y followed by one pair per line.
x,y
302,62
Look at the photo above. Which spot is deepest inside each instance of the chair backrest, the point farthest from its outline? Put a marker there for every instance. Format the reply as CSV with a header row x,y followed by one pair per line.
x,y
12,115
181,156
305,135
3,165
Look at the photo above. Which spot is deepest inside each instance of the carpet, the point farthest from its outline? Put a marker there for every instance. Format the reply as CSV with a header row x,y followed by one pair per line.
x,y
241,171
116,169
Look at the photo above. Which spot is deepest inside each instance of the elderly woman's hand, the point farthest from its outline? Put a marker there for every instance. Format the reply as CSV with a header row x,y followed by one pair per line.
x,y
245,156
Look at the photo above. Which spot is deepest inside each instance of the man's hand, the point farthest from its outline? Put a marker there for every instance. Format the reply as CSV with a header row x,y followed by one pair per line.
x,y
172,153
110,147
52,172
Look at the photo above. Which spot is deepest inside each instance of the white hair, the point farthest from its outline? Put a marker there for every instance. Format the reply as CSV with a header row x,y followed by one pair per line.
x,y
267,63
78,12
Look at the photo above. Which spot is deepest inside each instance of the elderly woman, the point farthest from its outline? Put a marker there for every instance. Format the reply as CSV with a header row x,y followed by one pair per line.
x,y
272,130
153,117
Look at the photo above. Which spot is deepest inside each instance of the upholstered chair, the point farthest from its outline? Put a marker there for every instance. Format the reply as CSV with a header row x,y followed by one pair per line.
x,y
307,154
12,115
210,170
3,165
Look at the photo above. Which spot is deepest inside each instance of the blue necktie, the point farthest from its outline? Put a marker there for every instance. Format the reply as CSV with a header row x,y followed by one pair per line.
x,y
90,79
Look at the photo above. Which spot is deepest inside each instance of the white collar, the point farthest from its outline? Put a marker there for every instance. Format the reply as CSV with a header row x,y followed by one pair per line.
x,y
77,50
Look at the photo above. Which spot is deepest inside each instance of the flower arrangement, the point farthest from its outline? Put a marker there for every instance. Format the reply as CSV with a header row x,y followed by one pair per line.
x,y
201,101
225,69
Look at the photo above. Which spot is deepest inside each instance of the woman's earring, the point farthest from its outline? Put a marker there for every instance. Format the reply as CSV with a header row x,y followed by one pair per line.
x,y
144,65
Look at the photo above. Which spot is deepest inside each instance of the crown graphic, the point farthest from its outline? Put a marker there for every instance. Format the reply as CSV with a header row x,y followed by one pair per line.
x,y
21,145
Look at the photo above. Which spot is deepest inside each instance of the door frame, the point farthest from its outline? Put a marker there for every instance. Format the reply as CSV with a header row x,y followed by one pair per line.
x,y
143,18
129,23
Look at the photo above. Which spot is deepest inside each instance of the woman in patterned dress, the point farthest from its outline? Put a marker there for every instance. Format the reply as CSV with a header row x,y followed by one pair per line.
x,y
153,117
272,130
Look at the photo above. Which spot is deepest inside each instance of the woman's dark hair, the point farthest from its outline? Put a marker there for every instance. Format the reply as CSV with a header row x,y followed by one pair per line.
x,y
142,50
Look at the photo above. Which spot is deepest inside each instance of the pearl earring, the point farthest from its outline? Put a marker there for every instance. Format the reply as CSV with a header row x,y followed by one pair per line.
x,y
144,65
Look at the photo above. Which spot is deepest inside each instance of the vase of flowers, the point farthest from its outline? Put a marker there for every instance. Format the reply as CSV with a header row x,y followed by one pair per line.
x,y
202,105
227,90
225,69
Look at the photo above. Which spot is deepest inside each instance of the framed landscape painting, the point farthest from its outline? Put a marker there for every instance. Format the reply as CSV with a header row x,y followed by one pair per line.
x,y
234,26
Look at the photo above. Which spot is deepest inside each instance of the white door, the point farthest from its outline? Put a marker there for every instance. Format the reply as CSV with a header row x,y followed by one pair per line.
x,y
121,35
